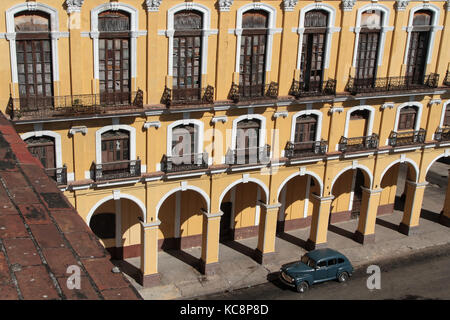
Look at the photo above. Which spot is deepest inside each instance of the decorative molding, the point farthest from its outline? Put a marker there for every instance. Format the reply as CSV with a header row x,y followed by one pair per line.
x,y
224,5
74,6
216,119
389,105
434,101
151,124
347,5
336,109
78,129
289,5
400,5
278,114
152,5
31,6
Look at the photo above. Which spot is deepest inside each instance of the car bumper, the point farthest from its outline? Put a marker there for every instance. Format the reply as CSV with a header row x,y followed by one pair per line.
x,y
291,284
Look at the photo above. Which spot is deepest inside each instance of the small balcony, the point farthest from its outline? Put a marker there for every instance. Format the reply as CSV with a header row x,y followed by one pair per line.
x,y
194,96
187,162
117,170
357,144
447,79
442,134
58,174
305,149
313,88
240,93
43,107
251,155
405,138
388,84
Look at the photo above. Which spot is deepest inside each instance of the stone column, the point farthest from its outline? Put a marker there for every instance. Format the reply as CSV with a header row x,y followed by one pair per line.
x,y
413,206
319,224
149,254
266,232
366,224
210,243
445,214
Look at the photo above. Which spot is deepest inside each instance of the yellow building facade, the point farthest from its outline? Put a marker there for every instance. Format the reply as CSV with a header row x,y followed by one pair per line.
x,y
172,124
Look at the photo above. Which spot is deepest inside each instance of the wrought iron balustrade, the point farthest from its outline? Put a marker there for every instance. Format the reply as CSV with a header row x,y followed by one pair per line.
x,y
358,143
442,134
117,170
371,85
251,155
185,162
447,78
187,96
40,106
403,138
259,91
58,174
313,88
305,149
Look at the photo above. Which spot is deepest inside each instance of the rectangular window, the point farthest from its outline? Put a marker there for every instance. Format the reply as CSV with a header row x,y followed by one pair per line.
x,y
313,52
366,64
252,63
417,56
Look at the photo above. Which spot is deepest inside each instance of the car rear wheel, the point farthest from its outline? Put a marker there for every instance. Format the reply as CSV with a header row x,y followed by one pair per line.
x,y
343,277
302,287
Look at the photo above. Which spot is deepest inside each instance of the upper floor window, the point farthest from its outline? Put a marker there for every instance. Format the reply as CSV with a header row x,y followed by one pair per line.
x,y
368,46
187,50
253,53
407,118
305,128
313,50
115,146
34,59
114,57
447,115
184,144
43,148
418,46
247,141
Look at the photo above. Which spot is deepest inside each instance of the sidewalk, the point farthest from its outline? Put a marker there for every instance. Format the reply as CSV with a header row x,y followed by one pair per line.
x,y
180,280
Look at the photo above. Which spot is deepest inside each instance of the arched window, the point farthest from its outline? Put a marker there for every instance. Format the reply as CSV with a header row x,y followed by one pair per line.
x,y
253,53
184,139
187,50
34,60
43,148
313,50
418,46
114,57
407,118
305,129
247,141
368,46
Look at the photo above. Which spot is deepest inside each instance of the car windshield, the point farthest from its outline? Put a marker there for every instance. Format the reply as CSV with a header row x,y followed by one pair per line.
x,y
308,261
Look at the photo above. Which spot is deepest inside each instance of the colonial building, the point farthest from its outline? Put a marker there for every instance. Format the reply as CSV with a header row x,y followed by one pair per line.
x,y
172,124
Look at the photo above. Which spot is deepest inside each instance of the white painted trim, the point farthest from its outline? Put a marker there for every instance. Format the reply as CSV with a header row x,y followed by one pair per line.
x,y
331,28
98,140
183,188
233,206
257,207
306,205
200,128
352,191
111,197
206,14
54,135
371,118
401,160
418,118
356,166
434,26
134,28
11,36
246,180
299,173
177,224
444,106
384,28
307,113
271,30
262,131
443,155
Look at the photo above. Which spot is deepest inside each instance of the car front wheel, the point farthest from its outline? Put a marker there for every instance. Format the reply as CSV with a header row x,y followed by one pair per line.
x,y
343,277
302,287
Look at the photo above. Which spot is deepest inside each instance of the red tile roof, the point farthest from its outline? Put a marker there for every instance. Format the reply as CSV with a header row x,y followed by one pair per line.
x,y
41,235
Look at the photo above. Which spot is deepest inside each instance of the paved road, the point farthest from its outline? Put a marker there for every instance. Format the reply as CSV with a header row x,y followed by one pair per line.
x,y
423,275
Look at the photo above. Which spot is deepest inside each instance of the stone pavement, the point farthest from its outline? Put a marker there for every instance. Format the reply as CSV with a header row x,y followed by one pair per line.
x,y
180,280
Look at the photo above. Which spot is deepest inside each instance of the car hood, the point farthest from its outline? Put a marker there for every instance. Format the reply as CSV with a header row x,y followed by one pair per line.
x,y
297,267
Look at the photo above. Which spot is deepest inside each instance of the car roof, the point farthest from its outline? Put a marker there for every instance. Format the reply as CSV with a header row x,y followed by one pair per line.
x,y
325,253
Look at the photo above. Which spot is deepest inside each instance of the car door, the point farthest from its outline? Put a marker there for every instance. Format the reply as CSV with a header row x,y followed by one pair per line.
x,y
321,272
332,268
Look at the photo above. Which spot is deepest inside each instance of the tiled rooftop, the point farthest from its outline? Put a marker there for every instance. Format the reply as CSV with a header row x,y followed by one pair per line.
x,y
41,235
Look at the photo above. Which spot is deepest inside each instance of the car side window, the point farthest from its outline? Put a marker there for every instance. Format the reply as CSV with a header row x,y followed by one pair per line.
x,y
322,264
331,262
340,260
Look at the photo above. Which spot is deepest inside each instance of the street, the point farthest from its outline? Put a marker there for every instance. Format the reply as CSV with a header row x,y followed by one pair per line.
x,y
422,275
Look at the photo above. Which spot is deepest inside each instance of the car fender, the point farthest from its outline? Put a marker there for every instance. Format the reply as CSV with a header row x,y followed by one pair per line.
x,y
342,269
307,278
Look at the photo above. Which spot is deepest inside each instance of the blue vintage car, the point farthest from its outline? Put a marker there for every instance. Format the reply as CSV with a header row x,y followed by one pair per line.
x,y
316,266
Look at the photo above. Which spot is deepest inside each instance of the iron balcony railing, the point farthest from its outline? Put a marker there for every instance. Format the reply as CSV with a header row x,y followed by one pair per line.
x,y
58,174
371,85
187,162
117,170
305,149
260,91
358,143
447,78
403,138
173,97
442,134
39,106
313,88
251,155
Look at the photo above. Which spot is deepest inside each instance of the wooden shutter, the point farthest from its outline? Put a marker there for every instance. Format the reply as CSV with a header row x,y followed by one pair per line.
x,y
43,148
305,129
407,118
